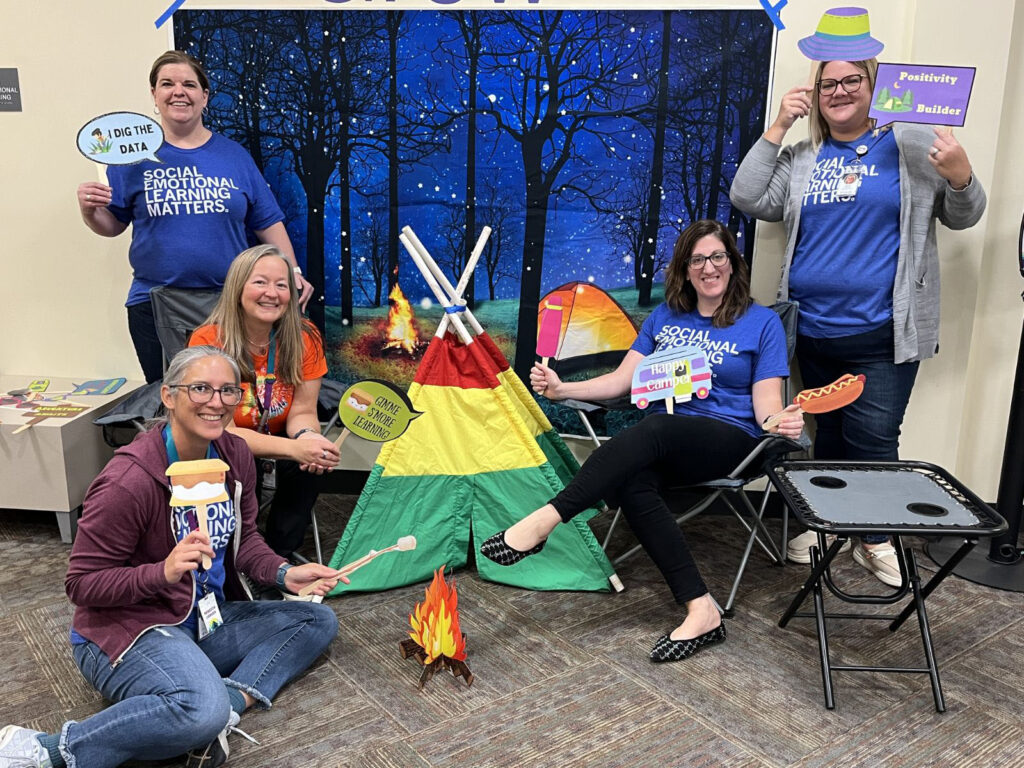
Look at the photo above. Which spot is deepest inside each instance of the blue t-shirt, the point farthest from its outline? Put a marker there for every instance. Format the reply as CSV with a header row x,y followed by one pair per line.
x,y
190,213
750,350
844,264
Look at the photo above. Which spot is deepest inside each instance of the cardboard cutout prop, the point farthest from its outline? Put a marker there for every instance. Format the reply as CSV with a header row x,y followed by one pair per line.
x,y
61,411
436,641
404,544
843,34
120,138
198,483
673,375
831,397
375,410
549,329
917,93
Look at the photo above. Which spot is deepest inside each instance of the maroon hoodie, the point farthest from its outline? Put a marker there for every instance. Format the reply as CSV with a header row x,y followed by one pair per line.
x,y
116,572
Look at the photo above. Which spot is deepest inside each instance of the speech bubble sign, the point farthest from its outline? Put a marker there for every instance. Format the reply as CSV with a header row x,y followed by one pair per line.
x,y
121,138
376,410
921,93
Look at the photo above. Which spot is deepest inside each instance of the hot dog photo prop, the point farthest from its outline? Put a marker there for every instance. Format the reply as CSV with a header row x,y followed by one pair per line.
x,y
831,397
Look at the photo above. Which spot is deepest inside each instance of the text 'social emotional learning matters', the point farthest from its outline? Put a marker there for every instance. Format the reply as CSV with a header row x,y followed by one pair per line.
x,y
916,93
120,138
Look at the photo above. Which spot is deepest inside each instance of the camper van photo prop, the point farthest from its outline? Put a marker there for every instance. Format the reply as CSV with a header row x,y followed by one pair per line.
x,y
674,375
375,410
198,483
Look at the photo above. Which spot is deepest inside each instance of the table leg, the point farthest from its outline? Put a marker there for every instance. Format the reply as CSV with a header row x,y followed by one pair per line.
x,y
819,620
67,522
935,580
926,634
816,571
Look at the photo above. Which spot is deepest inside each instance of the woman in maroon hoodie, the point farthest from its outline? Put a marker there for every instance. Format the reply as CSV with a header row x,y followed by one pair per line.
x,y
176,644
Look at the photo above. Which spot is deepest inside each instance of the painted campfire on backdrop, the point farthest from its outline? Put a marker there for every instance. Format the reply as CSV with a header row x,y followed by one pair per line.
x,y
586,139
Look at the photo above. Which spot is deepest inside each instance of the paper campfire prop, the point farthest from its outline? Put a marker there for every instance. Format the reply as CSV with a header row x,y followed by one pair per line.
x,y
436,640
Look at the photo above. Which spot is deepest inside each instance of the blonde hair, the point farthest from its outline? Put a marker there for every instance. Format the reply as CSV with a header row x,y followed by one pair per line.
x,y
818,128
229,318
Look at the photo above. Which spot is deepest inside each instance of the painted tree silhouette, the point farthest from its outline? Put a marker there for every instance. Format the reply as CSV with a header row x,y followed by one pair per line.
x,y
565,76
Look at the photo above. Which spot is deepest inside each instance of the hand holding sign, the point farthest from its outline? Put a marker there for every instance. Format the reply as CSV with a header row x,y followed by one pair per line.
x,y
917,93
375,410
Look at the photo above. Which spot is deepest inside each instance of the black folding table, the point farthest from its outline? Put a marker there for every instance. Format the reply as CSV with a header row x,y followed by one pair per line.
x,y
899,498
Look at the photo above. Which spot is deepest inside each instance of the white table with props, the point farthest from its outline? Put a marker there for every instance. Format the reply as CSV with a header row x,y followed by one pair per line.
x,y
49,465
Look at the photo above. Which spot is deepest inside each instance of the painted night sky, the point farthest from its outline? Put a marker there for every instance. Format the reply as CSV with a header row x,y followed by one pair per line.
x,y
586,139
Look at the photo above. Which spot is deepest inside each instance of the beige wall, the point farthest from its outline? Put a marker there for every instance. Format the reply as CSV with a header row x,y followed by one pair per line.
x,y
63,287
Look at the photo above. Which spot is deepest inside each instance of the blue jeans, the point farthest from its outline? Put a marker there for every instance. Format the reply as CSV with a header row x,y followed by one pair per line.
x,y
868,429
169,691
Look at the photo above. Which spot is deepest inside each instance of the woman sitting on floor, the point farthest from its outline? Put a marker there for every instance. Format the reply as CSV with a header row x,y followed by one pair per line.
x,y
257,322
143,632
707,305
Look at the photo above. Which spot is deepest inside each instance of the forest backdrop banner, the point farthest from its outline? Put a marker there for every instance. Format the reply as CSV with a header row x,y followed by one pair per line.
x,y
586,139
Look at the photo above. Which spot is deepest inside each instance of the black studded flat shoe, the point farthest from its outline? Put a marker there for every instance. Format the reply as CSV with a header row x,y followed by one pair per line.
x,y
497,550
677,650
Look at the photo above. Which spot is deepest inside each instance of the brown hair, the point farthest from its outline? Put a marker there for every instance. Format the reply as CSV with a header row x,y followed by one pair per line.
x,y
817,127
229,317
179,57
680,294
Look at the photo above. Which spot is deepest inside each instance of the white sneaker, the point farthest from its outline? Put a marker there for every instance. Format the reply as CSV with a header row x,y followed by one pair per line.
x,y
881,561
798,550
19,748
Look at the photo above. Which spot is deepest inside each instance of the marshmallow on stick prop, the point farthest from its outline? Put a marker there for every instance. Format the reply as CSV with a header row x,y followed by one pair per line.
x,y
831,397
198,483
404,544
550,329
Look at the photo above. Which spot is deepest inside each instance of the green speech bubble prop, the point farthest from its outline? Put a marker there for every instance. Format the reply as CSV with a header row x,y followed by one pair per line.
x,y
375,410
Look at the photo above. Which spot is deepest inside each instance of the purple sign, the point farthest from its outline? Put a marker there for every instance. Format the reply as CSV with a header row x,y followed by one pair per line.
x,y
919,93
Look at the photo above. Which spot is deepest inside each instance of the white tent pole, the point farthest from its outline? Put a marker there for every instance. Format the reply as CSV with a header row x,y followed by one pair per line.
x,y
454,293
432,283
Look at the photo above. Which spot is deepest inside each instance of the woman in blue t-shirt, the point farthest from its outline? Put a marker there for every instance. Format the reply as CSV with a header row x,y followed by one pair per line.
x,y
192,212
860,206
708,306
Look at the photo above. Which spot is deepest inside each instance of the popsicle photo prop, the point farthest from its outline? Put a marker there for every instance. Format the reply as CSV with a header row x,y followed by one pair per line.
x,y
61,411
674,375
198,484
120,138
550,330
831,397
918,93
404,544
375,410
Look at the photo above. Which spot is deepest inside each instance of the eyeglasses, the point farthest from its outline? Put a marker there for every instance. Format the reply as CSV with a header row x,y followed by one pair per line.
x,y
718,258
203,393
850,83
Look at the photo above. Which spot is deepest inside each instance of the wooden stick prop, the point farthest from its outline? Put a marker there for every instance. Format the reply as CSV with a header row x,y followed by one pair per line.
x,y
438,293
404,544
203,520
831,397
550,329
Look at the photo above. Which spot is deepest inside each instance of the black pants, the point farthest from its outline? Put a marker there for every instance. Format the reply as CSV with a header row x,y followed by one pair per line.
x,y
142,327
291,507
632,468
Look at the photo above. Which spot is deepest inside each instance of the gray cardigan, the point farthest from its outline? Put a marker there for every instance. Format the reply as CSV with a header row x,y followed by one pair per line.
x,y
770,183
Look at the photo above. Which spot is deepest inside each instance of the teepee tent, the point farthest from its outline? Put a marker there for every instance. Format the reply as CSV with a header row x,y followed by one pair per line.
x,y
471,465
595,328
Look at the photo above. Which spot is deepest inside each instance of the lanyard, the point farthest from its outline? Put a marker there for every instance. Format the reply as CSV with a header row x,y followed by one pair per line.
x,y
172,451
268,387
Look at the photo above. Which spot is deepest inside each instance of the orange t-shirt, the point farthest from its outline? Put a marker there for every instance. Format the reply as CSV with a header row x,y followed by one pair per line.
x,y
247,412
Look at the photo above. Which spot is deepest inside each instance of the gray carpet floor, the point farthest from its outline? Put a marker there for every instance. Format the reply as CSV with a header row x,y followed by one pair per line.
x,y
563,679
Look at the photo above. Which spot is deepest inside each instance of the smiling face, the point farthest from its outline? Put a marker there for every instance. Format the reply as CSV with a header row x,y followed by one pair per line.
x,y
195,425
178,96
266,293
710,282
845,113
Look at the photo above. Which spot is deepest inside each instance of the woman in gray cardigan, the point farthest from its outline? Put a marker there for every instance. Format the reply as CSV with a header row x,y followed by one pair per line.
x,y
859,206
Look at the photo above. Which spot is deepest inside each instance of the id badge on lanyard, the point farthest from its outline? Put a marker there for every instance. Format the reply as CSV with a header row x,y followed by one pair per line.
x,y
852,173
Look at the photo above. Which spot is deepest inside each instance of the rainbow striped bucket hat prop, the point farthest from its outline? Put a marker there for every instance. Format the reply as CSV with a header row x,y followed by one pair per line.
x,y
843,34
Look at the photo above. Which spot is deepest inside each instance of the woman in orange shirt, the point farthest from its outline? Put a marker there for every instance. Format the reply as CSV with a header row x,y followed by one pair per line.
x,y
281,356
